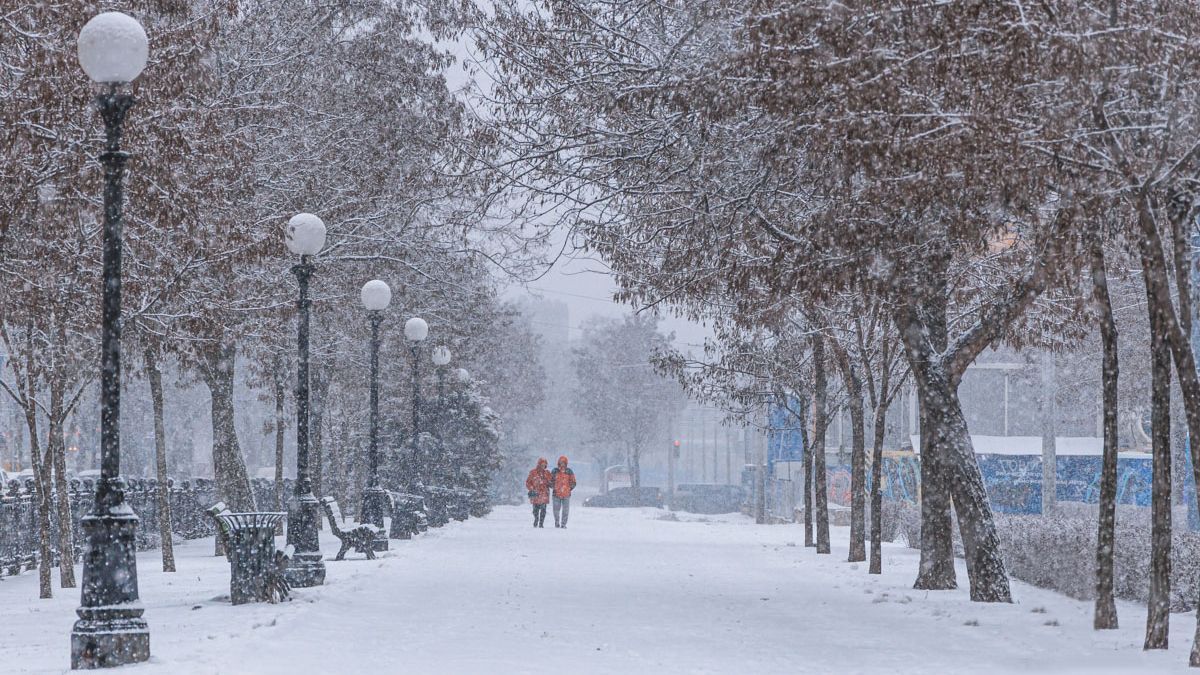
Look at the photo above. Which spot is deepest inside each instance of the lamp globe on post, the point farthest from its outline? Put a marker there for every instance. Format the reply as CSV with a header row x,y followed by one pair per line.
x,y
113,51
440,356
376,296
305,237
416,330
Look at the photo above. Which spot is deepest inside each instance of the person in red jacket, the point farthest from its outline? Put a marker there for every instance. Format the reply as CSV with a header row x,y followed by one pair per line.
x,y
538,484
563,480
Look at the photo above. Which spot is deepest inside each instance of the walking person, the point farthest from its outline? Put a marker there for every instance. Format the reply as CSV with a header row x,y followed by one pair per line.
x,y
538,483
563,480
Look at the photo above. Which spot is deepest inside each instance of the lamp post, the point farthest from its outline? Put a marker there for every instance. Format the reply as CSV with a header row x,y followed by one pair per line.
x,y
113,50
376,296
305,237
440,357
416,330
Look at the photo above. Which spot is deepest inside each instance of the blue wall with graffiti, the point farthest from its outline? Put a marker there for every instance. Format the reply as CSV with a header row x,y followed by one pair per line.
x,y
1014,482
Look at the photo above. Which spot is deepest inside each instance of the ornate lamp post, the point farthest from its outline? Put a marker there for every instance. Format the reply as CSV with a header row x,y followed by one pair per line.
x,y
440,357
305,237
416,330
113,50
376,296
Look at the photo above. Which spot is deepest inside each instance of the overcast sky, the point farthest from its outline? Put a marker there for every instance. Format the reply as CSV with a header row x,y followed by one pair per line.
x,y
587,288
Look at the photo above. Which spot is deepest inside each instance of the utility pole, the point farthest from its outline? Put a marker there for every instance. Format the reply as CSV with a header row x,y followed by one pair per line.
x,y
760,461
672,454
717,475
729,455
1049,414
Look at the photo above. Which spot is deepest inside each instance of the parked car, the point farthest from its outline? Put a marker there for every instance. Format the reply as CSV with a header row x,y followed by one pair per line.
x,y
701,498
624,497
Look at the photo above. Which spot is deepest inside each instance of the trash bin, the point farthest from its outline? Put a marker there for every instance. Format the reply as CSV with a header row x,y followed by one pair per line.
x,y
250,538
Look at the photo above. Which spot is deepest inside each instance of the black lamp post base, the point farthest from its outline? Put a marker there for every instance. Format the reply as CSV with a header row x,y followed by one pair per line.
x,y
306,570
109,642
307,567
110,630
375,503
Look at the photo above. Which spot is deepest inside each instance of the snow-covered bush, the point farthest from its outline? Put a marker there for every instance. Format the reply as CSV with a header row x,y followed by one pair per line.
x,y
1059,552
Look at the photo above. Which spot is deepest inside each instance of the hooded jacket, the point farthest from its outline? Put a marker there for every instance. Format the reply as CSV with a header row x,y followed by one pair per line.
x,y
538,483
563,479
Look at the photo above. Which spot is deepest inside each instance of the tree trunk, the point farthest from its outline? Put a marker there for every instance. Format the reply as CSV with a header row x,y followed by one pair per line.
x,y
154,377
807,460
229,467
951,441
820,484
1158,614
1105,616
876,566
56,457
936,569
858,470
42,485
946,440
1162,311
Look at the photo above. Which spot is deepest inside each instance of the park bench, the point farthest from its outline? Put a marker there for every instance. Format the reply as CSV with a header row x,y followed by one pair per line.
x,y
257,568
361,537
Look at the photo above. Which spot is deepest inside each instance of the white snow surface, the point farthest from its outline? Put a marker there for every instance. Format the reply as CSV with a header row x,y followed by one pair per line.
x,y
621,591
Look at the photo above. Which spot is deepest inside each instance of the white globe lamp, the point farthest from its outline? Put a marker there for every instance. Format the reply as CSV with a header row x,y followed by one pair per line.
x,y
376,295
416,329
113,48
305,234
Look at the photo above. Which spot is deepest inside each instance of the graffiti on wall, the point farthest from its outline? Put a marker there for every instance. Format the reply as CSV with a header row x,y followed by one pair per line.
x,y
1013,482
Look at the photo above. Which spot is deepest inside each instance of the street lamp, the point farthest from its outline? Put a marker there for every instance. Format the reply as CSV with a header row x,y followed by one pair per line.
x,y
113,50
376,296
440,357
305,237
416,330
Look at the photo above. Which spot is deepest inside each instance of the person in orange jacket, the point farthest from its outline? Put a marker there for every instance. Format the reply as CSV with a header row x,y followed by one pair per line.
x,y
563,480
538,483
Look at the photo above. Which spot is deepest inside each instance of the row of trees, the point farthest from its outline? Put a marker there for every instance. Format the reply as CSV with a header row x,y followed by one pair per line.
x,y
877,192
248,113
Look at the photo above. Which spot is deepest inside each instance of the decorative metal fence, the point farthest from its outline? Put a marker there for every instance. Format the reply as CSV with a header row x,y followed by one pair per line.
x,y
19,532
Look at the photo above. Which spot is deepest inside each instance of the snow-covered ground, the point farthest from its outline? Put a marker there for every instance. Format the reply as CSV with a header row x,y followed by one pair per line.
x,y
621,591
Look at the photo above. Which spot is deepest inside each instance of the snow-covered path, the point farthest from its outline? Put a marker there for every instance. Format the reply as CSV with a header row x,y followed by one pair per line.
x,y
620,591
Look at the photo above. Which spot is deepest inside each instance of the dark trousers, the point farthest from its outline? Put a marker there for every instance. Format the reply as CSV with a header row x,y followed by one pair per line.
x,y
539,514
563,506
